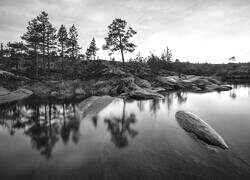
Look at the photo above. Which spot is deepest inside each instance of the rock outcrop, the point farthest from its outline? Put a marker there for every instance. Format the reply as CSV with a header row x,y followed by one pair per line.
x,y
111,80
143,94
193,124
192,83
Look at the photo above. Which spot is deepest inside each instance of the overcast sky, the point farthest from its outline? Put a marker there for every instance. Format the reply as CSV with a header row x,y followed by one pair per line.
x,y
195,30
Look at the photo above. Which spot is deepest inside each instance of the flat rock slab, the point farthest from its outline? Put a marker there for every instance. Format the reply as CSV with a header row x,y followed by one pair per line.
x,y
3,91
93,105
7,96
194,83
144,94
193,124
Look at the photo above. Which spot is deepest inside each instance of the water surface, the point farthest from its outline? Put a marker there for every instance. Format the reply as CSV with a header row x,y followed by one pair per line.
x,y
44,139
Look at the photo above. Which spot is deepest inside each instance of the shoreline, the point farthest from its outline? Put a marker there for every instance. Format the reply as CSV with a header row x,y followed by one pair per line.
x,y
129,87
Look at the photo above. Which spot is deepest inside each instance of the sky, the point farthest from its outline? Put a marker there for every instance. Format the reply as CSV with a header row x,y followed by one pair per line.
x,y
195,30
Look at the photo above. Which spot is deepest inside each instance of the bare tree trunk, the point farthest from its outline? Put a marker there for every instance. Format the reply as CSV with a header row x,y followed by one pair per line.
x,y
62,56
123,61
44,51
17,64
43,58
123,114
36,64
48,60
121,48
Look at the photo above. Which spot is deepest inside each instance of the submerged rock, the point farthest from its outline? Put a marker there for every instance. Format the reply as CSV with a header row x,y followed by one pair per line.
x,y
224,88
144,94
93,105
193,124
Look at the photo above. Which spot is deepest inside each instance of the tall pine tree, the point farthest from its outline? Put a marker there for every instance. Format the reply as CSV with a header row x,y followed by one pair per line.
x,y
33,38
72,42
48,37
91,51
62,39
43,21
50,40
118,38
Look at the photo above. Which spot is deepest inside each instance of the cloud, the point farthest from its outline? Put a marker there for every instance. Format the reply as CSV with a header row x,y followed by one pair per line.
x,y
195,30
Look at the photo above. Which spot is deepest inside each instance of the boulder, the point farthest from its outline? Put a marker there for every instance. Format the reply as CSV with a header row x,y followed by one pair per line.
x,y
203,131
142,83
79,91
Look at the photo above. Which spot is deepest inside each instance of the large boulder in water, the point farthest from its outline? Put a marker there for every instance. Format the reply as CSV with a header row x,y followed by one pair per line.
x,y
193,124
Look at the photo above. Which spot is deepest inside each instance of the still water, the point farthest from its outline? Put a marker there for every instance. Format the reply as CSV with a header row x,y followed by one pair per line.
x,y
126,139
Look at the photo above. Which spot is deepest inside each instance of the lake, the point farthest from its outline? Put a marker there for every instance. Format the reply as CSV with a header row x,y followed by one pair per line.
x,y
45,139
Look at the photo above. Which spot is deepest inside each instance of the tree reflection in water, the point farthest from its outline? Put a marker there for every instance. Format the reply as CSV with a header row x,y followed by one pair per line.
x,y
46,122
140,105
120,128
169,99
232,94
43,121
154,106
181,97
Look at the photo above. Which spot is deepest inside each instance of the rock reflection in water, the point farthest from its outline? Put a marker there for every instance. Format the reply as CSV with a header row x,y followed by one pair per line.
x,y
120,127
155,104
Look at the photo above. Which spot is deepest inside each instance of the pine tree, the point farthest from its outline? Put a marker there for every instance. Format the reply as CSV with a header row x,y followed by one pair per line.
x,y
43,21
91,51
1,50
50,40
88,54
16,50
118,38
139,58
48,37
33,38
62,39
167,55
72,42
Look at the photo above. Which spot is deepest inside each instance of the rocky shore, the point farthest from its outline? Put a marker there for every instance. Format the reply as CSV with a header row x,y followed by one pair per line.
x,y
114,82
